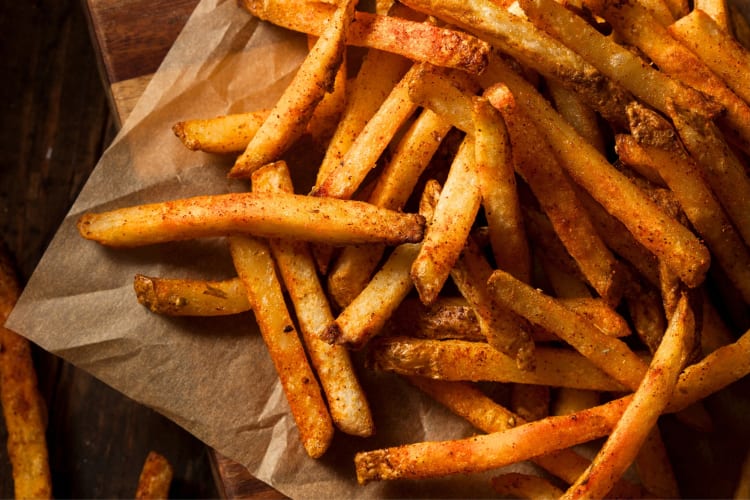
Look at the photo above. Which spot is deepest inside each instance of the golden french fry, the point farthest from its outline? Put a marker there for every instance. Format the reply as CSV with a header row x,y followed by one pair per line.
x,y
183,297
346,400
615,61
648,402
255,267
474,361
571,327
716,47
661,234
291,114
325,119
22,404
600,314
325,220
518,485
223,134
699,204
155,479
580,115
414,40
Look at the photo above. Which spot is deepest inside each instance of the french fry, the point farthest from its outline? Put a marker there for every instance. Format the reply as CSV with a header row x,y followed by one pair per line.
x,y
474,361
325,119
540,309
347,402
290,116
615,61
600,314
660,234
716,47
580,116
223,134
155,479
182,297
255,267
22,404
325,220
641,415
518,485
414,40
699,204
446,318
567,401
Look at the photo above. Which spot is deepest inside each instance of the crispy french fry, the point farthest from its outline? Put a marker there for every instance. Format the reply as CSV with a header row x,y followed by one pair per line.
x,y
661,234
279,215
641,415
414,40
580,115
155,479
255,267
615,61
571,327
716,47
518,485
22,404
474,361
600,314
291,114
183,297
347,402
223,134
325,119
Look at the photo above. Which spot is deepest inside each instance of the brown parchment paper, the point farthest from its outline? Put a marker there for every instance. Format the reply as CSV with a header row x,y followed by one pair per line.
x,y
211,376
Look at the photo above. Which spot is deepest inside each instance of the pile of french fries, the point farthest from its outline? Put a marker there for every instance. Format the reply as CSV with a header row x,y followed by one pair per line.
x,y
535,193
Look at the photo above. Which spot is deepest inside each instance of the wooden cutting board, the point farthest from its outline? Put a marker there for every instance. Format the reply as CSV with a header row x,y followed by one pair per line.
x,y
131,38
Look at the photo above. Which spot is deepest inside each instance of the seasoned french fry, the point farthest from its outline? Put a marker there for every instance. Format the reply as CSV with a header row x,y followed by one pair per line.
x,y
291,114
414,40
324,220
716,47
599,314
325,119
573,328
580,116
155,479
474,361
640,416
23,407
518,485
223,134
346,399
661,234
182,297
255,267
567,400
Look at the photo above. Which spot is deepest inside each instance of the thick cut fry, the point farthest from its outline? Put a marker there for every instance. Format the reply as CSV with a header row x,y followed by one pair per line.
x,y
22,404
717,48
661,234
611,355
647,404
445,236
155,479
536,163
291,114
699,204
344,180
254,263
517,485
395,184
519,38
414,40
223,134
640,28
346,399
324,220
182,297
474,361
615,61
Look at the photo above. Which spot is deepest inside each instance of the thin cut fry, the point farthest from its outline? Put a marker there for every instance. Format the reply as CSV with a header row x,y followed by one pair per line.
x,y
182,297
155,479
517,485
223,134
22,404
290,116
346,399
254,263
414,40
640,416
324,220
